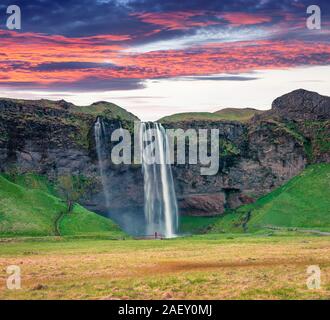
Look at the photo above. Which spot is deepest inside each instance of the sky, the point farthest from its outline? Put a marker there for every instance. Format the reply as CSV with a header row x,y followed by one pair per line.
x,y
156,58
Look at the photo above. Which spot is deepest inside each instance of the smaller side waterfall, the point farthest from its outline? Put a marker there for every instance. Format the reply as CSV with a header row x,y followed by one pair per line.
x,y
161,210
101,151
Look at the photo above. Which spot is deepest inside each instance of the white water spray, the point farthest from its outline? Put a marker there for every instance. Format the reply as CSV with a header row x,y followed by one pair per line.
x,y
101,155
160,205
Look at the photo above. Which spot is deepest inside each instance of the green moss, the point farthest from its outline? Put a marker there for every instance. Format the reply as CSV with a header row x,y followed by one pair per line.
x,y
4,136
228,148
319,137
80,133
322,136
292,129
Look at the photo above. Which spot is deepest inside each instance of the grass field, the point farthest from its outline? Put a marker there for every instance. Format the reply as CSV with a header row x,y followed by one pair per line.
x,y
200,267
248,254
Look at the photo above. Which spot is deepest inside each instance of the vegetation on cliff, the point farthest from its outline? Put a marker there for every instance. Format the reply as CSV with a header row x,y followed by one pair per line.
x,y
56,118
230,114
106,109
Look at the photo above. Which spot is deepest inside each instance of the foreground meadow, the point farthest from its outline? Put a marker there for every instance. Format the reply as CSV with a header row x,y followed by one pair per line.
x,y
204,267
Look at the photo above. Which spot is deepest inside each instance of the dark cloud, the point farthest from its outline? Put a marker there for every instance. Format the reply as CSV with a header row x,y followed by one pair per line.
x,y
92,17
96,84
82,65
8,65
73,65
87,84
74,18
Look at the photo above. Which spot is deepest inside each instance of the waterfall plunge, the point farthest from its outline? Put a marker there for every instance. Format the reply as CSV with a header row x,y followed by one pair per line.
x,y
160,205
100,136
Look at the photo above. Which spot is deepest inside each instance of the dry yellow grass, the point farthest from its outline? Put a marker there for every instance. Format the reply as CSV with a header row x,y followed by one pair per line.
x,y
201,268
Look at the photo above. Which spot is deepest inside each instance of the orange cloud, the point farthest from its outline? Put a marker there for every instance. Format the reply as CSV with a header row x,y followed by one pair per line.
x,y
176,20
189,19
243,18
29,57
230,58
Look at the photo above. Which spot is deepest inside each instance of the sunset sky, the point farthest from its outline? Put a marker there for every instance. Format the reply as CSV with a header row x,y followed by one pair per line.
x,y
159,57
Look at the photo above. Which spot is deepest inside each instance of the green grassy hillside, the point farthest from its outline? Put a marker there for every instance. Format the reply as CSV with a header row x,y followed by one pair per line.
x,y
191,116
35,212
195,225
238,114
107,109
302,203
103,108
230,114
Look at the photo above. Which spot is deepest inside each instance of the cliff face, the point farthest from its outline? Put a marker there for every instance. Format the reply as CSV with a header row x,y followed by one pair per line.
x,y
255,158
262,154
54,138
307,115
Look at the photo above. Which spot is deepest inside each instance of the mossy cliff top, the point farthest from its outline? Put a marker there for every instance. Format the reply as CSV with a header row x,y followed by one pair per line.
x,y
59,122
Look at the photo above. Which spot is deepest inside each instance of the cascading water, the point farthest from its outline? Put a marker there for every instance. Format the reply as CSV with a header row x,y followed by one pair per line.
x,y
101,155
160,205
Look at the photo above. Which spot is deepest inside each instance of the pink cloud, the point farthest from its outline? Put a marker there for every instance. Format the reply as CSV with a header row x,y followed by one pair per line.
x,y
243,18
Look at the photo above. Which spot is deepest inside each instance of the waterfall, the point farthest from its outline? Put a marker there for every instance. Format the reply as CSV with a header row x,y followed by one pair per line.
x,y
160,205
101,155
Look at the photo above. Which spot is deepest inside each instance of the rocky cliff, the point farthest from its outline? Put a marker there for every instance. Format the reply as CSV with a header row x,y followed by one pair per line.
x,y
259,155
255,158
57,138
52,138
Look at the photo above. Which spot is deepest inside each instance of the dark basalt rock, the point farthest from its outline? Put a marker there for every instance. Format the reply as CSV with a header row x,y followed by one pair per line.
x,y
301,105
305,114
202,204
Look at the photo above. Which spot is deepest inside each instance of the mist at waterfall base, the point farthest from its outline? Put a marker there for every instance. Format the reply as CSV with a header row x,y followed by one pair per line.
x,y
160,212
